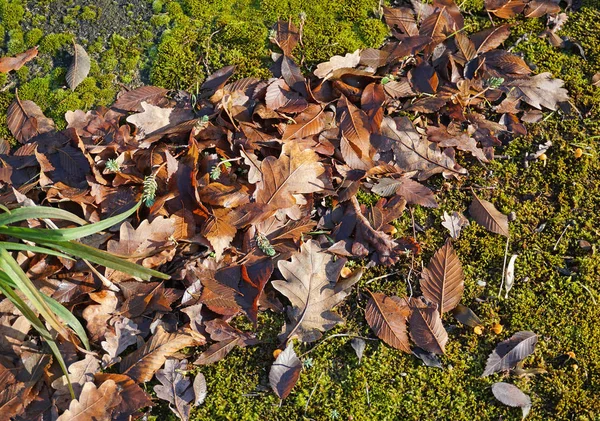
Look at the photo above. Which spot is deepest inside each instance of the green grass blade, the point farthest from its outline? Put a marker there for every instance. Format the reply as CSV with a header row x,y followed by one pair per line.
x,y
38,325
66,234
39,212
106,259
10,266
35,249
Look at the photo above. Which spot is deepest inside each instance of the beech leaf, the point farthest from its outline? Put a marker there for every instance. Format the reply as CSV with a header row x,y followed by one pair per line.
x,y
79,68
387,318
285,371
15,63
426,328
486,215
443,280
26,120
510,352
511,395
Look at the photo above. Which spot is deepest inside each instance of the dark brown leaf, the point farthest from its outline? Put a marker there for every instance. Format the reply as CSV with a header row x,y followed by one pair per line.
x,y
486,215
510,352
426,329
285,371
387,318
443,280
26,120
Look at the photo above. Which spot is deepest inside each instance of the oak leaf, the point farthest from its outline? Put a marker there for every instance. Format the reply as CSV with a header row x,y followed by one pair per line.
x,y
175,388
312,287
94,404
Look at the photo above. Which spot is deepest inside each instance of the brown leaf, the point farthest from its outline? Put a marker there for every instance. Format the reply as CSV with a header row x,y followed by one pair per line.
x,y
426,328
325,70
175,388
312,287
443,280
132,100
401,18
15,63
505,8
125,335
285,371
227,338
387,318
79,68
539,8
219,230
94,404
454,223
371,102
538,91
287,36
295,171
355,143
133,397
414,192
26,120
280,97
414,153
490,38
309,123
510,352
486,215
144,362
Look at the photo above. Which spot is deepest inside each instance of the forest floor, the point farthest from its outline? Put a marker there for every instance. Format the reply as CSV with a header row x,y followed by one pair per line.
x,y
175,44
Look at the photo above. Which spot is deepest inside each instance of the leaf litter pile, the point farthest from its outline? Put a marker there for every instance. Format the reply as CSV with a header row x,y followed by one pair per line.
x,y
250,191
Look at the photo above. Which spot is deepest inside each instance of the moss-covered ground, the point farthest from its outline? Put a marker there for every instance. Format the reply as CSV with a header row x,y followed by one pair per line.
x,y
557,289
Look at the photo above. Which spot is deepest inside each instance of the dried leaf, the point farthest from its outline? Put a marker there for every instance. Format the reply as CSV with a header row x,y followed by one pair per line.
x,y
426,328
466,316
144,362
387,318
133,396
79,68
511,395
358,344
505,8
94,404
355,143
510,352
175,388
325,70
285,371
538,91
443,280
15,63
312,287
486,215
151,120
414,153
200,390
125,335
26,120
287,36
454,223
510,274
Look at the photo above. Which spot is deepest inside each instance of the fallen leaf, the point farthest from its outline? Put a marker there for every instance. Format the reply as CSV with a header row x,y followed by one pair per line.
x,y
325,70
175,388
426,328
79,68
151,120
8,64
538,91
466,316
285,371
510,274
141,364
200,390
125,334
313,289
26,120
387,318
486,215
358,345
454,223
94,404
443,281
133,396
511,395
510,352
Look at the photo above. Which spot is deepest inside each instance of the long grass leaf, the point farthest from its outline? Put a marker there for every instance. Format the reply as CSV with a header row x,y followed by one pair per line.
x,y
10,266
66,234
39,326
34,249
106,259
39,212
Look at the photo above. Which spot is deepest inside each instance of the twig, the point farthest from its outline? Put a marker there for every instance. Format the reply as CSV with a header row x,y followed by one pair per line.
x,y
337,335
313,392
504,266
561,236
382,277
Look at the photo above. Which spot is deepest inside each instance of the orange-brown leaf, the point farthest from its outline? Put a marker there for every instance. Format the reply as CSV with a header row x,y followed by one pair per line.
x,y
426,328
15,63
387,318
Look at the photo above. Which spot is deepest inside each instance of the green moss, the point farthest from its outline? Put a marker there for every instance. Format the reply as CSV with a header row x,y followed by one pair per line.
x,y
33,37
16,43
89,13
11,13
52,43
